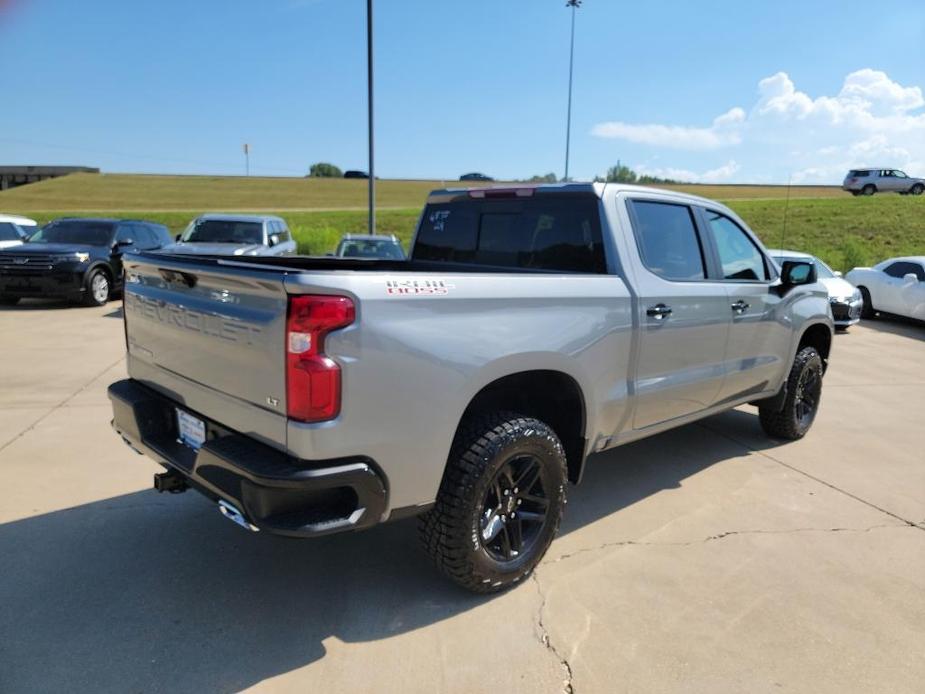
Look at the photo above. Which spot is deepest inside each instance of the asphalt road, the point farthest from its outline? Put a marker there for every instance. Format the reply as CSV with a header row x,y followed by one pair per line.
x,y
708,559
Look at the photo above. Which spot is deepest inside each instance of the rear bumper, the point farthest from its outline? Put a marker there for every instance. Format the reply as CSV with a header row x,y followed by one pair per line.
x,y
273,491
32,283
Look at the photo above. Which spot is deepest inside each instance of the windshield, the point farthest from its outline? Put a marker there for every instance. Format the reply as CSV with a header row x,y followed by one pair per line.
x,y
76,232
371,249
9,232
223,231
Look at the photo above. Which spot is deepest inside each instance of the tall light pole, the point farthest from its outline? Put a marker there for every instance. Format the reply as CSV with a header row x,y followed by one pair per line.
x,y
574,4
369,99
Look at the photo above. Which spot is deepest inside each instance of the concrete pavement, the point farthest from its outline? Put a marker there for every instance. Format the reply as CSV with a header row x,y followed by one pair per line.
x,y
708,559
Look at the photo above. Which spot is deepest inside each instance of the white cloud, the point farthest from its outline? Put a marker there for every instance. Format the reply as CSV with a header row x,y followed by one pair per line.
x,y
717,175
871,120
722,133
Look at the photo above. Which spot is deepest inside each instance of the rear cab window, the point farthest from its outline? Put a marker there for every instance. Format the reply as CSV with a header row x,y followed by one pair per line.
x,y
548,233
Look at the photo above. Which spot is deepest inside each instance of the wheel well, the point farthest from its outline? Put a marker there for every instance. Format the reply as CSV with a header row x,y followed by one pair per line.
x,y
550,396
820,337
102,267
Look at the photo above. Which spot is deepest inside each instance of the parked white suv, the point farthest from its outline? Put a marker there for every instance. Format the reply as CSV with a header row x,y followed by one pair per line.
x,y
870,181
14,230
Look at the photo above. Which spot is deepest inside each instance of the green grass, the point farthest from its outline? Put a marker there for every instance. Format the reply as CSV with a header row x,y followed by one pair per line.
x,y
843,230
88,192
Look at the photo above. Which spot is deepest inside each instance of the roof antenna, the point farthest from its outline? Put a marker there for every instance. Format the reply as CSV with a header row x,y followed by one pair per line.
x,y
783,233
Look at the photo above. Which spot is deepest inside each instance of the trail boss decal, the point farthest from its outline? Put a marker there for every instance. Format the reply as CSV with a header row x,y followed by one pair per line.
x,y
418,287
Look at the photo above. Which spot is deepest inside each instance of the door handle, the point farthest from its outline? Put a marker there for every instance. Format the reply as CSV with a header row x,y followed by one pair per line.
x,y
739,306
659,311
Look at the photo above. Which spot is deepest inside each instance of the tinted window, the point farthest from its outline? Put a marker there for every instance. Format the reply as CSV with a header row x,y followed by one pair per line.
x,y
859,173
9,232
903,268
668,241
126,233
738,255
161,234
143,237
545,234
75,231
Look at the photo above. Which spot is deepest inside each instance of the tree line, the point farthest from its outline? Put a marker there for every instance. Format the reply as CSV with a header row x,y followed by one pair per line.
x,y
615,174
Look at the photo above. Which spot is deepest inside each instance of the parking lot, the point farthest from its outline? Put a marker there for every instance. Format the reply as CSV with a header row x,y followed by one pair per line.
x,y
705,559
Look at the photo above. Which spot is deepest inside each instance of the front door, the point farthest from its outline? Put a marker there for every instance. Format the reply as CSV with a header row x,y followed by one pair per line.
x,y
758,343
684,317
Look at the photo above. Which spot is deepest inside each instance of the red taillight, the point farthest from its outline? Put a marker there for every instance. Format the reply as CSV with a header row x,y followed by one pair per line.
x,y
313,378
517,192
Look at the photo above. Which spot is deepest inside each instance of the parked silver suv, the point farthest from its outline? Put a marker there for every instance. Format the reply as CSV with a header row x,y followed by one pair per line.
x,y
870,181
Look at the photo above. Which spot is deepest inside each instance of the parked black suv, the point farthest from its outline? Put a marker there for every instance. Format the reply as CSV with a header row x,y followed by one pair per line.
x,y
77,259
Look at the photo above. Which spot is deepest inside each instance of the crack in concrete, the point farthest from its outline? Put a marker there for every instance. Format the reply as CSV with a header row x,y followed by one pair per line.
x,y
711,538
58,406
543,635
797,470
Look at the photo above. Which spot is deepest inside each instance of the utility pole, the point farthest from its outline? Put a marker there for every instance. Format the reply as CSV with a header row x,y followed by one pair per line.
x,y
247,159
369,90
574,4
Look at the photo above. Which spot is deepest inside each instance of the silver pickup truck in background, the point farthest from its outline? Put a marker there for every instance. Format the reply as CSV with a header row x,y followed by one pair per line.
x,y
529,328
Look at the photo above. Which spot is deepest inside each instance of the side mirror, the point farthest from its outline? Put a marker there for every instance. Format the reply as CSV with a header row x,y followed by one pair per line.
x,y
837,273
910,277
273,239
797,272
125,242
177,237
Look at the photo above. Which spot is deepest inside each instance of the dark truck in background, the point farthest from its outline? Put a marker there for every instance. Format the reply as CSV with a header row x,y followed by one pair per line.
x,y
467,385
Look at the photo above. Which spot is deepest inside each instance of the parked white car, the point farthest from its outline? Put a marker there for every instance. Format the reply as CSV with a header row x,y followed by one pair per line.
x,y
894,286
14,229
845,299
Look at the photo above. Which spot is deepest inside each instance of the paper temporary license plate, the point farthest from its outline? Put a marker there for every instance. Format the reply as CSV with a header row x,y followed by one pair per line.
x,y
192,429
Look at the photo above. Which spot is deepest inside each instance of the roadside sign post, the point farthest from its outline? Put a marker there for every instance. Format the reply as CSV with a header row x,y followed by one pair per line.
x,y
369,90
247,159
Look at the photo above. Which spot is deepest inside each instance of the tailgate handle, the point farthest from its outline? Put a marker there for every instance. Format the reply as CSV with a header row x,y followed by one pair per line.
x,y
177,277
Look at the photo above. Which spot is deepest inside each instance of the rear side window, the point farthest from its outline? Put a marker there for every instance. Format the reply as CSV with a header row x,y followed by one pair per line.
x,y
859,173
561,234
667,239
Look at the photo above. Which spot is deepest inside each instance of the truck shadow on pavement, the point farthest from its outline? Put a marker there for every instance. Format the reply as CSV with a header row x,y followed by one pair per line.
x,y
146,592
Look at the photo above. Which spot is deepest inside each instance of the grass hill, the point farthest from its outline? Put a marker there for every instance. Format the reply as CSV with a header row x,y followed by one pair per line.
x,y
843,230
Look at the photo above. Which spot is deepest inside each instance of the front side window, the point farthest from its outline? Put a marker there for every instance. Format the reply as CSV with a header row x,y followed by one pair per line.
x,y
667,239
9,232
903,268
738,255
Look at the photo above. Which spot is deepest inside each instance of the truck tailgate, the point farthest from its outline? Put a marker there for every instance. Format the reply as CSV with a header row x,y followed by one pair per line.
x,y
206,326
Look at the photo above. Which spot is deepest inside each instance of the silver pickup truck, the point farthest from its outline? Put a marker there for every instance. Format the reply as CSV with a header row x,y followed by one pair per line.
x,y
529,328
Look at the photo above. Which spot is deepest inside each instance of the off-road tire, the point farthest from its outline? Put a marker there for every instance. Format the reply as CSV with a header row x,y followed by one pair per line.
x,y
451,532
869,190
787,423
6,300
90,298
868,312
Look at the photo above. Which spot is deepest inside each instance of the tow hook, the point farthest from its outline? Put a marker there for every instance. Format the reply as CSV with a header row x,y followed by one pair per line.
x,y
170,481
235,516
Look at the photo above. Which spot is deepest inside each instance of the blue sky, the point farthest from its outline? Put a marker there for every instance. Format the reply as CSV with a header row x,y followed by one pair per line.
x,y
712,91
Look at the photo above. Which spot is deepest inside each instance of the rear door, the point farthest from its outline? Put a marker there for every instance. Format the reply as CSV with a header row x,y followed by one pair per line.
x,y
757,340
684,315
207,328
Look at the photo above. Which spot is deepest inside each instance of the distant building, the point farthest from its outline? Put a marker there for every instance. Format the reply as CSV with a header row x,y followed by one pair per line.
x,y
12,176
